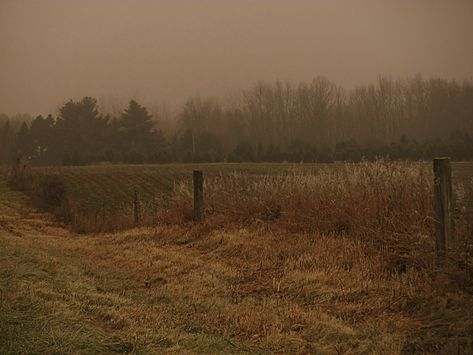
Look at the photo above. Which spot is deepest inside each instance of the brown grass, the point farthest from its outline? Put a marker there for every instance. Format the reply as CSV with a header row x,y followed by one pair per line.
x,y
337,261
100,198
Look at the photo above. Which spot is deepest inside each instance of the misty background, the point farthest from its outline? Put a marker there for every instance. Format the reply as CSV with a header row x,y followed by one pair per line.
x,y
178,81
165,51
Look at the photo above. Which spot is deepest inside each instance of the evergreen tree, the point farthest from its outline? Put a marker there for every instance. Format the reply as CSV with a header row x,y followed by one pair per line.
x,y
22,148
140,140
41,135
80,130
5,142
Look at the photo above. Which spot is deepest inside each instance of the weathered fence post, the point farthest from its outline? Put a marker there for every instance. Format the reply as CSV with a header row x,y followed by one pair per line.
x,y
198,195
443,205
137,207
103,214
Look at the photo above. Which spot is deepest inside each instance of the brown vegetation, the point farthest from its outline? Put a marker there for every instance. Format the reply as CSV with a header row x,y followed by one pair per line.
x,y
337,260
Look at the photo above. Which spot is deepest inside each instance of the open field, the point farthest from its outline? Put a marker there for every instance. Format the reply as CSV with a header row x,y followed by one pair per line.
x,y
115,183
100,198
97,196
332,259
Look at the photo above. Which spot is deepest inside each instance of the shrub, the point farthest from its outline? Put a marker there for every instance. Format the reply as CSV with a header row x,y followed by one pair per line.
x,y
51,192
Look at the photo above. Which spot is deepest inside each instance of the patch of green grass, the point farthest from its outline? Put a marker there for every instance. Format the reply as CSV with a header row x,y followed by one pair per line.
x,y
35,309
53,302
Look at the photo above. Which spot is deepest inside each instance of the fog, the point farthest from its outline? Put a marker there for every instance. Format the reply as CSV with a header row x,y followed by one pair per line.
x,y
165,51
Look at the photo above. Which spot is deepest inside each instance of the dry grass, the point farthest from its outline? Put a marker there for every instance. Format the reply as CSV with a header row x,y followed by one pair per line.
x,y
100,198
349,197
337,261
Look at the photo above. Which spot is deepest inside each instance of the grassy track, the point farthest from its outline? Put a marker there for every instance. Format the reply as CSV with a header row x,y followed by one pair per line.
x,y
207,288
59,296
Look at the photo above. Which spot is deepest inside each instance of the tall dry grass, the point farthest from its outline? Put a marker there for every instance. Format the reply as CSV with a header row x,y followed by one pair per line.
x,y
384,202
387,205
349,198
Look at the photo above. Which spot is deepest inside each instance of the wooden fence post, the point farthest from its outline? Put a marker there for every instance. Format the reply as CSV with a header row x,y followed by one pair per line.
x,y
443,205
137,207
198,195
103,214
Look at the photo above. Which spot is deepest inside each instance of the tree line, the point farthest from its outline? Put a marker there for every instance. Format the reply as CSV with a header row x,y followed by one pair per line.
x,y
412,118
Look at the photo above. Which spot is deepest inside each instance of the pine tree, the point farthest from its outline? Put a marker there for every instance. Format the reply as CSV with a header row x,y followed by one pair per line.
x,y
22,148
5,142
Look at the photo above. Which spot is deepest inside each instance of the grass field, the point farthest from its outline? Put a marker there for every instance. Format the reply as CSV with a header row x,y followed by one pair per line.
x,y
98,196
306,259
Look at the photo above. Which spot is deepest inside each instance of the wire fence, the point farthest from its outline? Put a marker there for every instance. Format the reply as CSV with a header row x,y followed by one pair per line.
x,y
462,181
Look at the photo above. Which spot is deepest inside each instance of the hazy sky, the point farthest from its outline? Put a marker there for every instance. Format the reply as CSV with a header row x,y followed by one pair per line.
x,y
166,50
